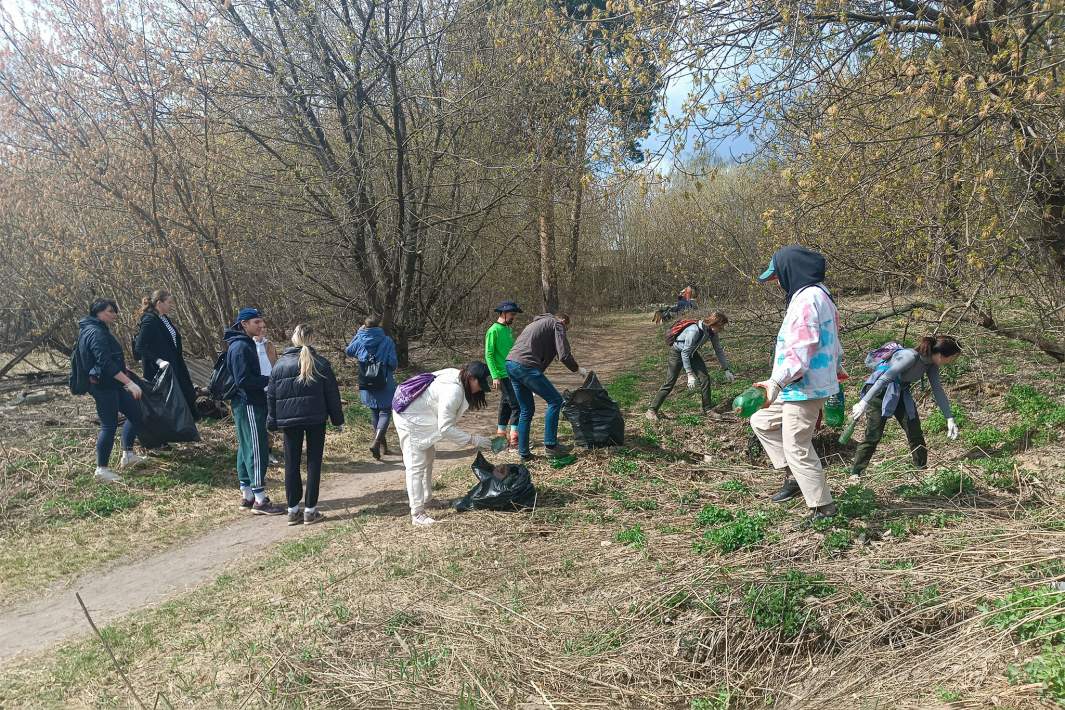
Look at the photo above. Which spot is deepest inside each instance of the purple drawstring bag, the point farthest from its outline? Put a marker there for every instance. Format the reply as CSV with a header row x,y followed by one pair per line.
x,y
410,390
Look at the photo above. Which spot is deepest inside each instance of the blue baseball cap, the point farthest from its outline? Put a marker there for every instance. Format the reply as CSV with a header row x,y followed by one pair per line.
x,y
508,307
248,314
769,273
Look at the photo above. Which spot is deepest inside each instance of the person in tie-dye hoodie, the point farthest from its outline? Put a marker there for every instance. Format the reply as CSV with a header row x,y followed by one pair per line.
x,y
807,367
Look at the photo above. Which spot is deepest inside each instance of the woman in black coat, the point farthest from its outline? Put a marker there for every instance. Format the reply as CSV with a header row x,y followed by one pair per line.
x,y
302,395
158,344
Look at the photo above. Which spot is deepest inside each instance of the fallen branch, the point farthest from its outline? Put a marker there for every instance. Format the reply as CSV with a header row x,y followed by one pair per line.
x,y
111,653
1052,348
884,315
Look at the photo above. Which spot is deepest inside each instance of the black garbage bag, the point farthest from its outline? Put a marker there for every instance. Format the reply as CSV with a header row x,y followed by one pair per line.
x,y
514,491
166,416
596,418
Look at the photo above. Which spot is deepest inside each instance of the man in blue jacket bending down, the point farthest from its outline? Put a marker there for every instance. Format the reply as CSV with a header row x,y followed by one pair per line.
x,y
249,411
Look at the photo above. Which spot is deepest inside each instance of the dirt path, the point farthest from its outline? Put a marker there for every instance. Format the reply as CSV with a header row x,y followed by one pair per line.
x,y
127,586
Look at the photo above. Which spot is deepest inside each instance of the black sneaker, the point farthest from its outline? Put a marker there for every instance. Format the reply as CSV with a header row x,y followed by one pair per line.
x,y
246,504
528,458
557,450
789,490
312,518
295,518
268,508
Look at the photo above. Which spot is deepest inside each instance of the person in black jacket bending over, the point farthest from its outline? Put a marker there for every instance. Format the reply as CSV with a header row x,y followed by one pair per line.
x,y
249,411
158,344
110,386
302,395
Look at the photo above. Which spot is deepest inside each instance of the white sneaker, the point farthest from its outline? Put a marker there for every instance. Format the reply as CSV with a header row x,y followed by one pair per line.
x,y
422,520
131,459
106,475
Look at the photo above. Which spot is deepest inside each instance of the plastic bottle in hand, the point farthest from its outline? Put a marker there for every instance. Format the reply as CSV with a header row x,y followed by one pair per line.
x,y
848,431
749,401
835,414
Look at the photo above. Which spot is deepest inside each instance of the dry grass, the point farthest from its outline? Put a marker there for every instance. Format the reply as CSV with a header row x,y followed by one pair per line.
x,y
610,594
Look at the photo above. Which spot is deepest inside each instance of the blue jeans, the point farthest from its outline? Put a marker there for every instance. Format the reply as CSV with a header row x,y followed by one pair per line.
x,y
527,381
379,418
109,402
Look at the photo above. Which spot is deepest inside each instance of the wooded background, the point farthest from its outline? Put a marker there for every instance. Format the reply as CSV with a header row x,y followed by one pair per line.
x,y
424,159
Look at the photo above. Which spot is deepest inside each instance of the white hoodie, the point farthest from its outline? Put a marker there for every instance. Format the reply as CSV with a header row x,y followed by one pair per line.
x,y
434,414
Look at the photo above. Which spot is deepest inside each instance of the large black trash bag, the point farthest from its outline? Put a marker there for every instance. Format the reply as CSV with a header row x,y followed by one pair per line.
x,y
596,418
166,415
514,492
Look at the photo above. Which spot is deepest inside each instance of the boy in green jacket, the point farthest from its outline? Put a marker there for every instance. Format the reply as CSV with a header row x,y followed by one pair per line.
x,y
497,344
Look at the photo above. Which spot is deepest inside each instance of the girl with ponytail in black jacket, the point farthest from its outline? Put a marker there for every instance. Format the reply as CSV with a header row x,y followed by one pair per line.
x,y
302,395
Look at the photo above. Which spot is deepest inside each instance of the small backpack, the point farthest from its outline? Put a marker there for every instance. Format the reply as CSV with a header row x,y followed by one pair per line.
x,y
79,374
882,354
222,385
678,328
371,374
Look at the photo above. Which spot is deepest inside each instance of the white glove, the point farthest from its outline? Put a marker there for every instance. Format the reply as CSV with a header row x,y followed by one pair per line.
x,y
729,377
772,391
582,371
481,443
858,410
495,384
160,363
134,389
691,381
952,429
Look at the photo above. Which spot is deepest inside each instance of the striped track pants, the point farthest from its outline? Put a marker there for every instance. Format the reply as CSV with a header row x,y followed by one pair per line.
x,y
250,420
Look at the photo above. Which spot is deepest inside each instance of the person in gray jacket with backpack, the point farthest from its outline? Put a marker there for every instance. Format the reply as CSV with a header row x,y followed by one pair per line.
x,y
684,355
887,393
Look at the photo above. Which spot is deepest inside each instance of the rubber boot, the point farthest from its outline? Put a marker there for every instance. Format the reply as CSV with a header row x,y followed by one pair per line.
x,y
375,447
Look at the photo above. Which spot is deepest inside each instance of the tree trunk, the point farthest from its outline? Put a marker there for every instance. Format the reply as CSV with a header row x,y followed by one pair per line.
x,y
578,198
546,222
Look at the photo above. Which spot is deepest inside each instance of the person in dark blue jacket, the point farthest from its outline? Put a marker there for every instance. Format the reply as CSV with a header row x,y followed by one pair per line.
x,y
110,386
372,343
303,394
249,411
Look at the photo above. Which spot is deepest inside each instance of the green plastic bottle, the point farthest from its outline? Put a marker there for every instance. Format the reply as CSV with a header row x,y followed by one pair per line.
x,y
835,414
749,401
848,431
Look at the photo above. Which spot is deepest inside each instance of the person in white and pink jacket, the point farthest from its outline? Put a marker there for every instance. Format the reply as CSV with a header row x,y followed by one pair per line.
x,y
807,367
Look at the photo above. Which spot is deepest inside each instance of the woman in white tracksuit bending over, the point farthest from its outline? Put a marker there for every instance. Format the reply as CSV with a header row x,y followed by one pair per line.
x,y
426,409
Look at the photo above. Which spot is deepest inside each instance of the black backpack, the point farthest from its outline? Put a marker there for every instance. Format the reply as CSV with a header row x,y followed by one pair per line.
x,y
221,385
371,374
79,374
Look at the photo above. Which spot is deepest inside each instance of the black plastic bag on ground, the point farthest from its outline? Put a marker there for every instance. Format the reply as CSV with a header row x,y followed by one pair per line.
x,y
514,491
596,418
166,416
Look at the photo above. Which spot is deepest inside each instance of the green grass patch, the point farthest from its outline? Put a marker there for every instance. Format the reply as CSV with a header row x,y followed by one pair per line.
x,y
713,515
936,423
856,502
100,501
838,541
742,530
625,389
721,700
781,603
1030,614
633,537
735,486
945,483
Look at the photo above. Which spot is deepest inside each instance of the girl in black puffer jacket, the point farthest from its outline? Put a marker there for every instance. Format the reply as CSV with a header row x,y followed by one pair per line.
x,y
302,395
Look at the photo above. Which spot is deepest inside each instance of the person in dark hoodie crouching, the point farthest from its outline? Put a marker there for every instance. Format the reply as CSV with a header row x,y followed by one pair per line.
x,y
249,411
110,386
302,395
